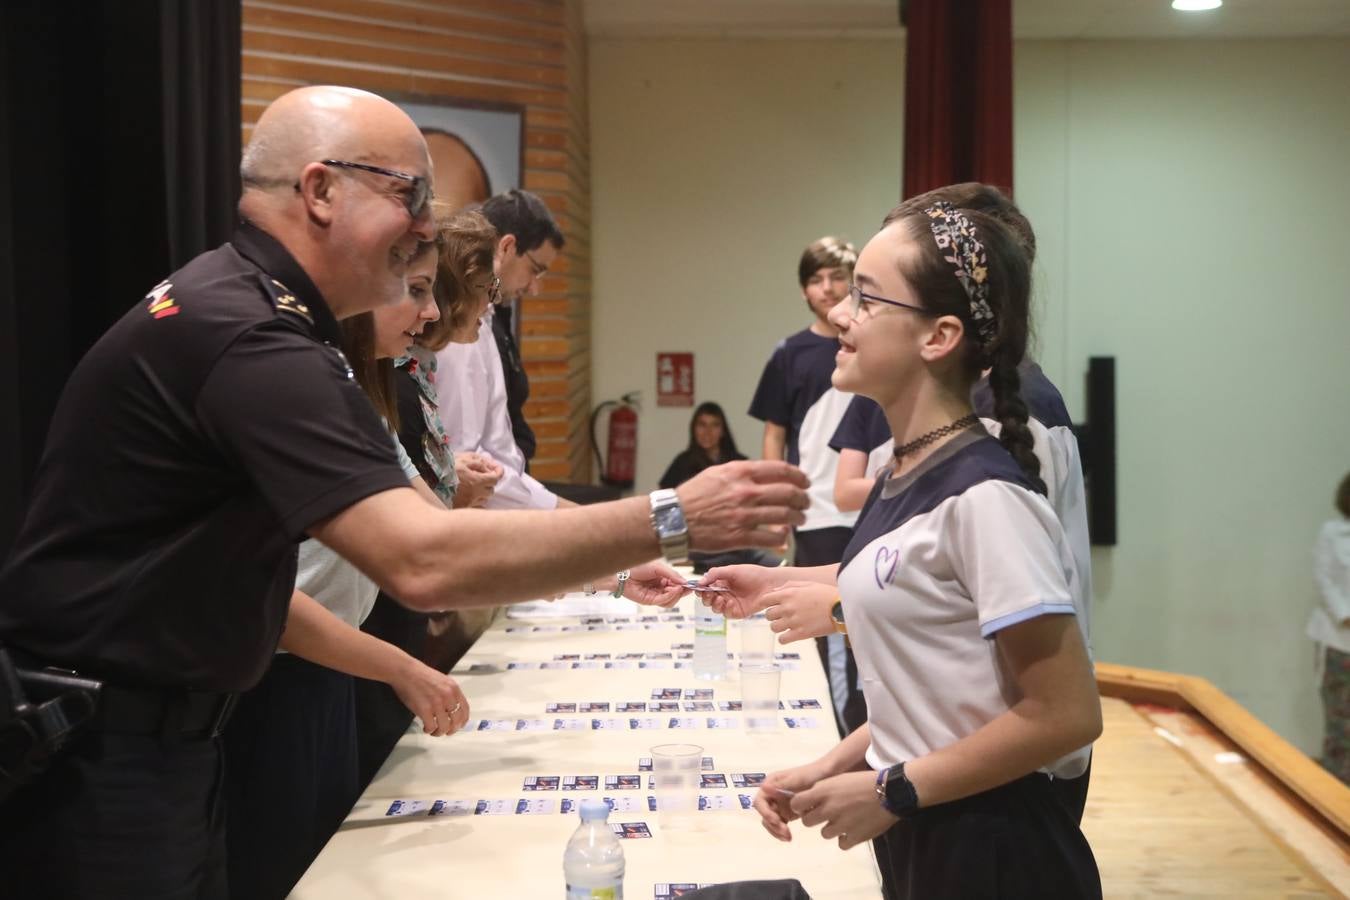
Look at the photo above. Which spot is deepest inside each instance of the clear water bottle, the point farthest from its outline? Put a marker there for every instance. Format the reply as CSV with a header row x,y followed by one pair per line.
x,y
593,863
710,643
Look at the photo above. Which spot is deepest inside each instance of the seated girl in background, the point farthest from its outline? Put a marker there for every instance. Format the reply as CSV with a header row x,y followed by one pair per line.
x,y
710,443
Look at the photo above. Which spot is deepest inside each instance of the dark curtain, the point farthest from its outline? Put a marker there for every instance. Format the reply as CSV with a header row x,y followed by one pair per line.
x,y
120,157
958,93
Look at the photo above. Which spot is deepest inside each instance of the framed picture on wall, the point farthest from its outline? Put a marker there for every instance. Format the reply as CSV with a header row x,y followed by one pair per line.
x,y
477,148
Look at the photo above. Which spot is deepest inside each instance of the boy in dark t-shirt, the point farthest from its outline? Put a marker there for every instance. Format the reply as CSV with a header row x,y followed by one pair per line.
x,y
800,411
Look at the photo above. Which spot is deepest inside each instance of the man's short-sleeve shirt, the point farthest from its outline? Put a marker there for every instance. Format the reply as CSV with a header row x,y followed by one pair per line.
x,y
795,392
191,449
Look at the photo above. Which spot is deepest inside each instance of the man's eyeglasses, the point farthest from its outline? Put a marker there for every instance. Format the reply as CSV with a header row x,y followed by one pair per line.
x,y
857,301
414,200
539,268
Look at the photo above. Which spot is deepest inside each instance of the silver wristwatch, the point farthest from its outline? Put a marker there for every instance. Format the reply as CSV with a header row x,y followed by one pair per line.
x,y
671,529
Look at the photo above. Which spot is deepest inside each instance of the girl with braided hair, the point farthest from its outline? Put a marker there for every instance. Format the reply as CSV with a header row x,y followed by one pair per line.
x,y
955,588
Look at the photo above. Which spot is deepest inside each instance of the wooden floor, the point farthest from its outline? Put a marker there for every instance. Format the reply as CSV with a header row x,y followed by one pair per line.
x,y
1175,811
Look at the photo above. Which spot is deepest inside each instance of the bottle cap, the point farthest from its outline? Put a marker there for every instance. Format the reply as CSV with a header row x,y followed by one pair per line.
x,y
592,810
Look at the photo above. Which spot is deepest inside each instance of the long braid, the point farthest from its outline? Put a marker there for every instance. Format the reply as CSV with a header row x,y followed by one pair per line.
x,y
1011,411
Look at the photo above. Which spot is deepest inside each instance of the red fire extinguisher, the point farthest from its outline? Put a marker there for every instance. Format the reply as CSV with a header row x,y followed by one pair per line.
x,y
618,467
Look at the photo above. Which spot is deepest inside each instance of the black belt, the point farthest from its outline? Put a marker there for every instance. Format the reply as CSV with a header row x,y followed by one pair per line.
x,y
191,715
166,712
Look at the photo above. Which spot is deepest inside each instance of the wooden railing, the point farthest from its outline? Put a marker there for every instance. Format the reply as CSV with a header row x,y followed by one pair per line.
x,y
1323,793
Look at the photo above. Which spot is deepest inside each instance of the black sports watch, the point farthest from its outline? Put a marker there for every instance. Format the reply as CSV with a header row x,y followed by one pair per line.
x,y
896,792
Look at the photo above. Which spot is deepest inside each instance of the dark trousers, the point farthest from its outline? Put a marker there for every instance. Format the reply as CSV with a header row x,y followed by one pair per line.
x,y
290,752
1015,841
821,547
1073,792
119,816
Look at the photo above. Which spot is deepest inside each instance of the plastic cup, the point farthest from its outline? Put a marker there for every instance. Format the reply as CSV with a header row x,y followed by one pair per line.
x,y
757,640
759,695
675,778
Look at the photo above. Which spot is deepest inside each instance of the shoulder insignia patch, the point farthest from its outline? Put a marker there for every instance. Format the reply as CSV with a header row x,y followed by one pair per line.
x,y
285,301
158,302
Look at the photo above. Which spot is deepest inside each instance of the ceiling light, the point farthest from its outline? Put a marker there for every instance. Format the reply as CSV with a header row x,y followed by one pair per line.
x,y
1196,5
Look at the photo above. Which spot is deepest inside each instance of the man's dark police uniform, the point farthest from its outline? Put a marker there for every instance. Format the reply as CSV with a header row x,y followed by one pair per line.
x,y
190,451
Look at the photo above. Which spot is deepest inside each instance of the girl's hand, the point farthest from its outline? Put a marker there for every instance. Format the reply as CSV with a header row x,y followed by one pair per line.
x,y
846,807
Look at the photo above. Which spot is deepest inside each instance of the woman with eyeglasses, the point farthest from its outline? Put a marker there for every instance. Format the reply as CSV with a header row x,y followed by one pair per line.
x,y
292,747
954,589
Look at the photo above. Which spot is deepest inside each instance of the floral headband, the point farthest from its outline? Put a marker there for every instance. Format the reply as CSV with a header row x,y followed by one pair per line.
x,y
955,236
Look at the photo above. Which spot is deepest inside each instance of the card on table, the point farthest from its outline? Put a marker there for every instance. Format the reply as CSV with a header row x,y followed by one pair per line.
x,y
747,779
541,783
482,668
608,724
581,782
535,806
682,646
625,803
729,705
723,722
630,830
620,664
746,801
631,706
494,808
556,664
800,721
698,693
623,782
644,723
594,706
714,802
630,656
673,890
533,725
597,656
497,725
804,704
406,807
712,780
787,656
666,693
571,725
452,808
588,664
567,656
683,722
516,666
653,664
707,764
659,654
699,706
561,708
664,706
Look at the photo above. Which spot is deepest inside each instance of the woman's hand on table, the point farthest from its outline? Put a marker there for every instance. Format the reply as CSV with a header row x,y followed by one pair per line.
x,y
846,807
800,609
433,697
654,584
774,799
745,587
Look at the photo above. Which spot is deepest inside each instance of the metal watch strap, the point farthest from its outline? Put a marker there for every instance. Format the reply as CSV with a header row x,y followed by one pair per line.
x,y
622,580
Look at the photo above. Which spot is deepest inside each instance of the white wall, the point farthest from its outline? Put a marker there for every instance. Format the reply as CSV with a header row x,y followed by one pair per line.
x,y
713,165
1191,204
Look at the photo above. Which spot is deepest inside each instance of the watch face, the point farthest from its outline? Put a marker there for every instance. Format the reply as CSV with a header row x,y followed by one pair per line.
x,y
837,611
669,520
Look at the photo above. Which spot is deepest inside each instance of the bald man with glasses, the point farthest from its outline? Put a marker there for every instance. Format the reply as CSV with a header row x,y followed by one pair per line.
x,y
206,433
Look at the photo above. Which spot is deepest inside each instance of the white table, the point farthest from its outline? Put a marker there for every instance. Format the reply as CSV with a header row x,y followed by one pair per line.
x,y
520,856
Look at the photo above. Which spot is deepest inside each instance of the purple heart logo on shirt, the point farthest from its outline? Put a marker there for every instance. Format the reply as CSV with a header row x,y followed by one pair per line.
x,y
886,562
